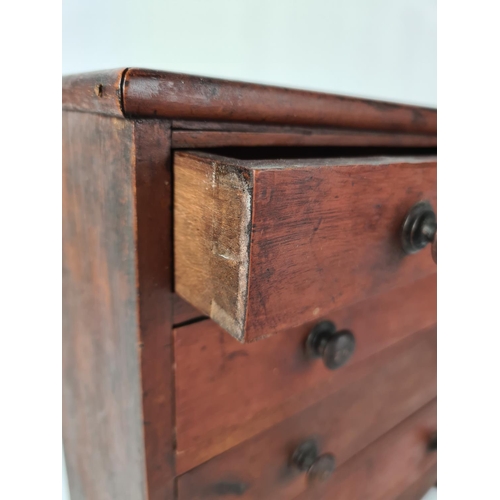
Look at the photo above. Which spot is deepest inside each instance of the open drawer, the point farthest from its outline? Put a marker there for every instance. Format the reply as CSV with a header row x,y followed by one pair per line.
x,y
264,245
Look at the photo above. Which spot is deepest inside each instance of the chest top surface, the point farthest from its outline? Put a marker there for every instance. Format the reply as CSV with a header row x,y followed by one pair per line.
x,y
136,92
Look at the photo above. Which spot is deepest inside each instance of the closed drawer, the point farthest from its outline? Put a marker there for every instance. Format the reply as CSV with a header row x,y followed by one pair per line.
x,y
418,489
341,424
261,246
227,392
400,465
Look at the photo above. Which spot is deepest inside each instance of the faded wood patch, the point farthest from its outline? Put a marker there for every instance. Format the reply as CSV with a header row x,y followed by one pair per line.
x,y
212,206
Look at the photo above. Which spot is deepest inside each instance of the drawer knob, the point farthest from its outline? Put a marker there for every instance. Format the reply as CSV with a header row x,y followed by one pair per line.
x,y
336,348
420,229
307,458
432,444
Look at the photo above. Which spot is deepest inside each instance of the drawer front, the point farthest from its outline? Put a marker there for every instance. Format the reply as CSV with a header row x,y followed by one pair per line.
x,y
261,246
400,465
342,424
418,489
227,392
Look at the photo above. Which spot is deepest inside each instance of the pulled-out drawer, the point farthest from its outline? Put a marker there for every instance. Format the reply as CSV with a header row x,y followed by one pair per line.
x,y
265,245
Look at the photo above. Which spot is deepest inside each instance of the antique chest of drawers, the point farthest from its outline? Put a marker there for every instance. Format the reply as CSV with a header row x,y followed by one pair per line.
x,y
249,292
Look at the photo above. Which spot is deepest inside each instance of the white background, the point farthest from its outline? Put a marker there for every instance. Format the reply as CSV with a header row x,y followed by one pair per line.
x,y
383,49
372,48
469,240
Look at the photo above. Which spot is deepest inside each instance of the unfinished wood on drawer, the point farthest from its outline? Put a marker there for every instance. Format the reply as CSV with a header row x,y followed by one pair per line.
x,y
343,424
227,392
388,467
212,236
261,246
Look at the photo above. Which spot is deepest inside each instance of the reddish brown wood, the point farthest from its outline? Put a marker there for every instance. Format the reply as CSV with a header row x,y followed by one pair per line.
x,y
227,392
118,386
395,466
197,125
240,409
170,95
421,486
266,245
213,139
155,300
102,417
184,311
343,424
98,92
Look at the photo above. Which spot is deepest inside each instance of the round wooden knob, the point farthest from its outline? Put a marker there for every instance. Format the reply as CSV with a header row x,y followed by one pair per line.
x,y
336,348
420,229
307,458
432,443
322,468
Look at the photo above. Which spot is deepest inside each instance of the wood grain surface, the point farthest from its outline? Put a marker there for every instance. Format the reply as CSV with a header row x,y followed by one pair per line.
x,y
212,236
170,95
393,467
343,424
184,312
264,245
285,243
97,92
227,392
117,303
421,486
317,137
102,417
153,189
210,134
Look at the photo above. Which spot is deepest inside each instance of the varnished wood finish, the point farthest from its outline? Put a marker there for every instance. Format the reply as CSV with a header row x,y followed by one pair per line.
x,y
210,134
157,94
171,95
343,424
262,137
153,186
98,92
184,312
390,468
118,387
221,126
227,392
102,417
421,486
265,245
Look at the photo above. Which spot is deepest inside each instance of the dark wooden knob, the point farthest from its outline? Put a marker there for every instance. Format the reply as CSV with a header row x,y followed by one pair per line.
x,y
307,458
420,229
336,348
434,248
322,468
432,443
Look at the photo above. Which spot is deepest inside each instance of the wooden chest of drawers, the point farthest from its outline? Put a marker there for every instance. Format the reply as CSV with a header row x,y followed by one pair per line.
x,y
243,313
